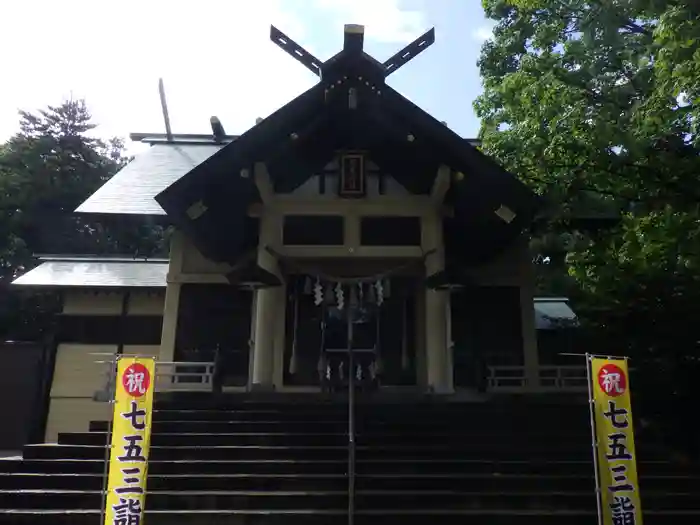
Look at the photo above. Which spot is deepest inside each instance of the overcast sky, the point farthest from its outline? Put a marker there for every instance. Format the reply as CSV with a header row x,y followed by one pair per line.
x,y
216,57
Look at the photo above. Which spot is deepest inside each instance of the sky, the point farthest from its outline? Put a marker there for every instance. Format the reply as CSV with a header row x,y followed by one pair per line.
x,y
216,58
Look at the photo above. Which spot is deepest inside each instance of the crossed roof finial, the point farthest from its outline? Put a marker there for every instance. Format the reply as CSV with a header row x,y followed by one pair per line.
x,y
353,43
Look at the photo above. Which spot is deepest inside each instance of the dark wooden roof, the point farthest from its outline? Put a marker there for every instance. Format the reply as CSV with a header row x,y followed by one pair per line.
x,y
303,135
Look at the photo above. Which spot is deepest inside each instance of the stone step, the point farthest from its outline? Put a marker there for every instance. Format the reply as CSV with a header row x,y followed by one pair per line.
x,y
397,516
457,439
420,427
180,482
300,516
328,500
493,452
457,416
407,466
338,481
374,403
284,463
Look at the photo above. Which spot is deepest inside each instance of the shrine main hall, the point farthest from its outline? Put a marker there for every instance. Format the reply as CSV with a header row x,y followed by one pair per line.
x,y
347,220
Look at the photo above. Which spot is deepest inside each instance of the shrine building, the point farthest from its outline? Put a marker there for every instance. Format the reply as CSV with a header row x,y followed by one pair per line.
x,y
349,220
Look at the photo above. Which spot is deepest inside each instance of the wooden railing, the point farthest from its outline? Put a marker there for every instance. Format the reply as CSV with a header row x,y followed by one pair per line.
x,y
184,376
175,376
551,378
564,378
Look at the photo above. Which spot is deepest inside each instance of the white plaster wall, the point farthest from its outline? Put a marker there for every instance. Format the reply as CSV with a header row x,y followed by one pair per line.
x,y
79,302
146,302
78,374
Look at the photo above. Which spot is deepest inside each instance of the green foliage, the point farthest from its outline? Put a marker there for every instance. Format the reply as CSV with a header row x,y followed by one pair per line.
x,y
604,95
46,170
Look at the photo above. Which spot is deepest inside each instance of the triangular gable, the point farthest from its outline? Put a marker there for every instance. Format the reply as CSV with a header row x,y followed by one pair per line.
x,y
351,107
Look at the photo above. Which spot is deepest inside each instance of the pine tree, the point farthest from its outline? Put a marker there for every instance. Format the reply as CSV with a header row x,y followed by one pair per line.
x,y
46,170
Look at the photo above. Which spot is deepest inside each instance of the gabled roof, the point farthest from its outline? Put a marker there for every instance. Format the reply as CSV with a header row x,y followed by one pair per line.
x,y
352,107
124,272
132,190
552,313
96,272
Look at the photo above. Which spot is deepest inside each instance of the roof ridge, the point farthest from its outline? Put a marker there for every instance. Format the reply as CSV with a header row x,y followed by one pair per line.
x,y
99,258
182,138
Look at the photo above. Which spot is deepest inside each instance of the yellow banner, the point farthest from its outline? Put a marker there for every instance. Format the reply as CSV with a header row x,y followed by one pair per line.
x,y
131,437
617,465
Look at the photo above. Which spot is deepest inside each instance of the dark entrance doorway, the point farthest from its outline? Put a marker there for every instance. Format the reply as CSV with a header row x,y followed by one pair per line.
x,y
486,330
214,325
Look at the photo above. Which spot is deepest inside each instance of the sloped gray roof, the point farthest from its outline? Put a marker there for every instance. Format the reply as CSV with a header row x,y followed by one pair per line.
x,y
97,274
131,190
550,312
554,312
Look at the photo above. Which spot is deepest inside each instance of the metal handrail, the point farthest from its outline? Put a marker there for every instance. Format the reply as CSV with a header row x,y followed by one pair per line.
x,y
351,422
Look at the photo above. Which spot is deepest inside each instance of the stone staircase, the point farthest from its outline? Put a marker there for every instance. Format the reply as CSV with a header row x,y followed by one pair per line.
x,y
236,461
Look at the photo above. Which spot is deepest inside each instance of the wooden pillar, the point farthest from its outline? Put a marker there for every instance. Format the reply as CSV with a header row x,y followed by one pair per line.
x,y
267,306
280,337
420,347
263,346
251,337
435,307
172,299
449,346
531,359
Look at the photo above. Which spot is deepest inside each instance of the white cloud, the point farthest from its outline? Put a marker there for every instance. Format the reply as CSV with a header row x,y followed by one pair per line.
x,y
384,20
215,57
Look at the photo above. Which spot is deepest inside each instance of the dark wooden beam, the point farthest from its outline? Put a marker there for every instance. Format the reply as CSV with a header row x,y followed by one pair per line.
x,y
353,38
409,52
297,52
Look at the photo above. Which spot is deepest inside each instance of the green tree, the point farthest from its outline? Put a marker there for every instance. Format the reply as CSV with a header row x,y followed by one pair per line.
x,y
595,103
46,170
